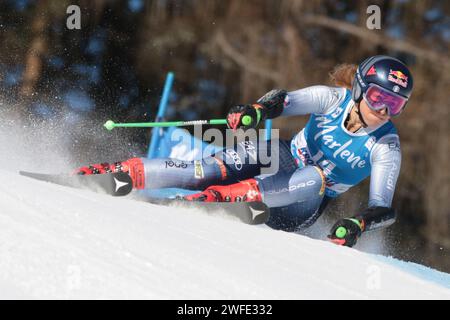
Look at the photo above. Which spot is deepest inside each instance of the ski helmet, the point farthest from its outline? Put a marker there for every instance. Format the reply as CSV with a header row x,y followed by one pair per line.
x,y
388,76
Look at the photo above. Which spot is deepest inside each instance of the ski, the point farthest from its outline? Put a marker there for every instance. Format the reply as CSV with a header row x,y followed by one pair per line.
x,y
248,212
120,184
114,184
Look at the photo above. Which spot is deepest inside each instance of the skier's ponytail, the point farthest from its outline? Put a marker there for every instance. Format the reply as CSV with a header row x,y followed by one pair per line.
x,y
343,75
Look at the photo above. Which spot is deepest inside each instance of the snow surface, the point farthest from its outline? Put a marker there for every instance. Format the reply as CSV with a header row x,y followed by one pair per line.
x,y
58,242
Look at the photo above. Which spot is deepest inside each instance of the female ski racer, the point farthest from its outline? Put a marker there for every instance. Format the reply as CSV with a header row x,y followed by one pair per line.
x,y
349,137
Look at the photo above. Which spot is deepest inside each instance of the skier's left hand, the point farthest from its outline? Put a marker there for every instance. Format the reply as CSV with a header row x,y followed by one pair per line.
x,y
346,231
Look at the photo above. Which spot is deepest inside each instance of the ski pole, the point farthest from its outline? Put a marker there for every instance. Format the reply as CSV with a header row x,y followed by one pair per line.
x,y
111,124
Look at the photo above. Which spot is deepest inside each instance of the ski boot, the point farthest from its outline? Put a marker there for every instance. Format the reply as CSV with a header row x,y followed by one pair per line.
x,y
134,167
244,191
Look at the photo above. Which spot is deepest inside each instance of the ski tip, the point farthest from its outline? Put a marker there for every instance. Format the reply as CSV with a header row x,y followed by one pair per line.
x,y
29,174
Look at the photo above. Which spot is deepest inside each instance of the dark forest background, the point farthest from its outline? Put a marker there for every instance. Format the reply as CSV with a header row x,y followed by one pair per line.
x,y
224,53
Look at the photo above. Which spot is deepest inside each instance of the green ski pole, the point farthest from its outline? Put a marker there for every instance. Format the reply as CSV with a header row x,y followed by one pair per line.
x,y
111,124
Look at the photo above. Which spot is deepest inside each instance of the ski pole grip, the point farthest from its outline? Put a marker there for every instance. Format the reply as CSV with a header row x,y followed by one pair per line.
x,y
341,232
246,120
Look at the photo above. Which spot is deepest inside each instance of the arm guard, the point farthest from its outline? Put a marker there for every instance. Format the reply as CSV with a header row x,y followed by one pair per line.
x,y
272,103
377,217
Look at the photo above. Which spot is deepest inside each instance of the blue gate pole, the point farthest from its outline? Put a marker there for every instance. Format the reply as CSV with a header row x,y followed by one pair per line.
x,y
268,125
154,142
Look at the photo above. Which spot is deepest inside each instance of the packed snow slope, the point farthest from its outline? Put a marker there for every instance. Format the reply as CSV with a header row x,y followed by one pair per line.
x,y
57,242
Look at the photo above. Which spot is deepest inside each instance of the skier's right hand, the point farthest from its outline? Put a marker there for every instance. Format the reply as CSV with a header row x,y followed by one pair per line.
x,y
244,116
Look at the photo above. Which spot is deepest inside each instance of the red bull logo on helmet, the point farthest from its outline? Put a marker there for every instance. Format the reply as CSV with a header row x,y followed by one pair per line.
x,y
398,77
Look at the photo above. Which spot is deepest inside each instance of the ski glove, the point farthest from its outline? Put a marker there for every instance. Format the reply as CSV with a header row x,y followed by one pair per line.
x,y
346,231
244,116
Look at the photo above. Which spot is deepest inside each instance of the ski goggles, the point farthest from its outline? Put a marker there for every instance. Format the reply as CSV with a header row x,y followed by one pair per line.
x,y
378,98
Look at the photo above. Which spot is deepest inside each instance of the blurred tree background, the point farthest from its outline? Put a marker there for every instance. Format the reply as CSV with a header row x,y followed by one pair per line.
x,y
228,52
